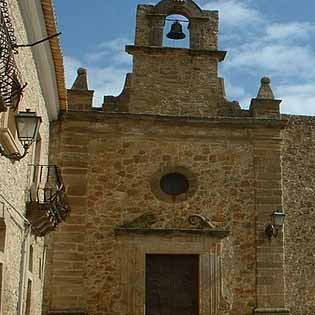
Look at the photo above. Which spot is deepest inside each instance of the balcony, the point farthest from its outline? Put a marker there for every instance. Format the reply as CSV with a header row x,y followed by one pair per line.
x,y
11,88
46,204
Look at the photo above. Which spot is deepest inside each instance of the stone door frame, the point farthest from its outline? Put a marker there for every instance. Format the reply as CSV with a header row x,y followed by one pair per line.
x,y
134,248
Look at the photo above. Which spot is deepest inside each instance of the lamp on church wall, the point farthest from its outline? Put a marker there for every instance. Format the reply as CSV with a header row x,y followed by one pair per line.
x,y
27,125
272,230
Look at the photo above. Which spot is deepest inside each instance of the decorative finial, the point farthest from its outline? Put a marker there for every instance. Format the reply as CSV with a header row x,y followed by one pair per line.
x,y
80,82
81,71
265,91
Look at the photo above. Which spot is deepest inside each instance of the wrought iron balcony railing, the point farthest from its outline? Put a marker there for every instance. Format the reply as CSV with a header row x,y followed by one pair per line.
x,y
47,204
10,80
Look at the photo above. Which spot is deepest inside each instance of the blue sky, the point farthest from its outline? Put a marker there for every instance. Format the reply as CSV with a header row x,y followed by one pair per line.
x,y
263,38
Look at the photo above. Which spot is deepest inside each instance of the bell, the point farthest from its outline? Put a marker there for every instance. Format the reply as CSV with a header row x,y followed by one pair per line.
x,y
176,31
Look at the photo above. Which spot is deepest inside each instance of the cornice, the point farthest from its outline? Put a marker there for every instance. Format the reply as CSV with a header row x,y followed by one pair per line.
x,y
214,122
51,27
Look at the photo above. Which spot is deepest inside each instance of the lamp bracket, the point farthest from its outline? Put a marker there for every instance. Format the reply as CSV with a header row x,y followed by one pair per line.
x,y
38,42
272,230
15,156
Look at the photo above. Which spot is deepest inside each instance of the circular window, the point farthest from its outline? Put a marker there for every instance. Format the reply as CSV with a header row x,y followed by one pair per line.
x,y
174,184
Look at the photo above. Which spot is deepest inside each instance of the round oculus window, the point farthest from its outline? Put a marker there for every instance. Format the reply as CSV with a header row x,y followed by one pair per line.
x,y
174,184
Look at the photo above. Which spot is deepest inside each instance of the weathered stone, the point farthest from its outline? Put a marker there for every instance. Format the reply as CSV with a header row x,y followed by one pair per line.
x,y
241,166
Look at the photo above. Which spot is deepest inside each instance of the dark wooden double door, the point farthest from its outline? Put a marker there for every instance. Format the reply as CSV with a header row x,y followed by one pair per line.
x,y
172,285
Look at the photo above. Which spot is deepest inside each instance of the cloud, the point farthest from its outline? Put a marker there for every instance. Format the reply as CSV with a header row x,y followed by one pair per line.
x,y
268,49
298,99
236,92
107,67
234,13
289,31
107,81
112,50
280,50
278,59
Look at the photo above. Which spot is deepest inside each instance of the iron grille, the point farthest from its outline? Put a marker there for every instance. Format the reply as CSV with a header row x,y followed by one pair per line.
x,y
47,202
10,80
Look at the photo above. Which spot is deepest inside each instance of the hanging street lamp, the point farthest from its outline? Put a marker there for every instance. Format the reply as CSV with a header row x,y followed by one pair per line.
x,y
27,125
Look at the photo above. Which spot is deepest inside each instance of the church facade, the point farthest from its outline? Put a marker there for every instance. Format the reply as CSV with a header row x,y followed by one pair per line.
x,y
178,195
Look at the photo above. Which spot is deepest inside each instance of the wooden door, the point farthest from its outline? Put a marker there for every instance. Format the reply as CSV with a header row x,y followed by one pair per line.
x,y
172,284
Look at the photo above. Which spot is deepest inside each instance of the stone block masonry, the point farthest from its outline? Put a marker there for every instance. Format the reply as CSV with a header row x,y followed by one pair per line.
x,y
239,166
298,156
108,183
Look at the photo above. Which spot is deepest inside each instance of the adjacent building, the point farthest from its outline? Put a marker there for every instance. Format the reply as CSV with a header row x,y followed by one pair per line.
x,y
32,202
178,195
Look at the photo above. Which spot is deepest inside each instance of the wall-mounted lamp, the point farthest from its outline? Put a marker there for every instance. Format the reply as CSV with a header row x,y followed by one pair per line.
x,y
27,125
272,230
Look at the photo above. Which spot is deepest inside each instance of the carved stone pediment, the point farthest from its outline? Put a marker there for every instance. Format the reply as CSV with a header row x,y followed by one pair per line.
x,y
147,223
198,236
146,220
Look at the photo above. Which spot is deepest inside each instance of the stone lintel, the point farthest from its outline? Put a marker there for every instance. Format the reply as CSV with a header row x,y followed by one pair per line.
x,y
155,50
271,311
218,233
215,122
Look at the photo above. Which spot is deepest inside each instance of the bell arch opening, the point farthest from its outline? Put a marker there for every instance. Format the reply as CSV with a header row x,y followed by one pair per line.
x,y
176,31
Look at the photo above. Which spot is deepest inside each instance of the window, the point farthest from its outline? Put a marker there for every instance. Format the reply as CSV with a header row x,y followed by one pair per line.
x,y
174,184
28,298
30,259
40,268
2,235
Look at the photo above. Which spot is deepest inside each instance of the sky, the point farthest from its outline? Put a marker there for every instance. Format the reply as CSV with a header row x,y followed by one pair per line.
x,y
263,38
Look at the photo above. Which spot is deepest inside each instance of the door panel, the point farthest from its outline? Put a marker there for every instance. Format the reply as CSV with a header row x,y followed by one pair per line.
x,y
172,284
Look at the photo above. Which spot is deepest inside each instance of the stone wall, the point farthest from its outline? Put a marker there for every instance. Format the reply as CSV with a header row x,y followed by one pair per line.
x,y
181,82
299,199
109,162
171,117
15,179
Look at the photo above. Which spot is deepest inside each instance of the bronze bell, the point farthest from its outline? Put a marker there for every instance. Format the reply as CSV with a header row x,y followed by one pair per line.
x,y
176,31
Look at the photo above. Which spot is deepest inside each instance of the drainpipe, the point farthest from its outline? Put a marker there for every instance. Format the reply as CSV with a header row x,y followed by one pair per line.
x,y
23,269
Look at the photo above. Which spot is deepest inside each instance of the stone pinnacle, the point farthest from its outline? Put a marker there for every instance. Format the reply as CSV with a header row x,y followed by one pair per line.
x,y
80,82
265,90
